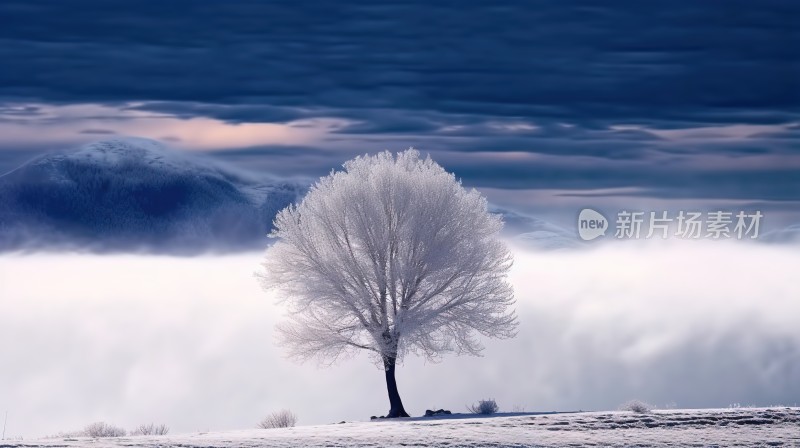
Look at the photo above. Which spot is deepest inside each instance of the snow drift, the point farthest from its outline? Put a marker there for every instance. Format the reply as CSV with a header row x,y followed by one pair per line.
x,y
672,428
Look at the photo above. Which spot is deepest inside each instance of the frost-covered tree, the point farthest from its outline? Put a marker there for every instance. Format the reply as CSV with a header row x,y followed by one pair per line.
x,y
391,256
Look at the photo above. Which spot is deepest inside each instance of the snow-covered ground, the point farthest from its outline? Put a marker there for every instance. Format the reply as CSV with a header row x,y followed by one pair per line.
x,y
668,428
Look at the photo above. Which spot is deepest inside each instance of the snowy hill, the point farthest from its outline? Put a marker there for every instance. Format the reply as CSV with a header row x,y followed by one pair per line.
x,y
536,234
135,194
669,428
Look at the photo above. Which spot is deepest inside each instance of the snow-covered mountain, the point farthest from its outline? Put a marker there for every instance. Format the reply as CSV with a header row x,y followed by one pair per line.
x,y
135,194
533,233
132,194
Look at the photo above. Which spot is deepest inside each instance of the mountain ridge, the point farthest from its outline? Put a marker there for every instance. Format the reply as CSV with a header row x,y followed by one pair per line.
x,y
136,194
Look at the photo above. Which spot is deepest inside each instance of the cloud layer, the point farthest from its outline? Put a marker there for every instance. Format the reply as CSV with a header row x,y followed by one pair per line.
x,y
189,342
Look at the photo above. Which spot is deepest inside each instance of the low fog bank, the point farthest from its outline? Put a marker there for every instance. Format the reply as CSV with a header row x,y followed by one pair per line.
x,y
189,341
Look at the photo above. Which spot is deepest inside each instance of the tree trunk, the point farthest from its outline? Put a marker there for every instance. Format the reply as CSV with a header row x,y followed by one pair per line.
x,y
395,403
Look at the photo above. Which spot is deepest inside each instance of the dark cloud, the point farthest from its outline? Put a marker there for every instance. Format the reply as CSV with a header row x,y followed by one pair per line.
x,y
555,80
664,180
238,113
624,60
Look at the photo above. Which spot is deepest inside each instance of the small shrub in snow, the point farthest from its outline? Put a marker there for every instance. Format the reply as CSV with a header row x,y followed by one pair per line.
x,y
102,429
150,430
485,407
639,407
280,419
65,435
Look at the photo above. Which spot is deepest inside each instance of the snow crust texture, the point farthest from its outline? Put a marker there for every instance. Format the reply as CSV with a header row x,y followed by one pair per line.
x,y
767,427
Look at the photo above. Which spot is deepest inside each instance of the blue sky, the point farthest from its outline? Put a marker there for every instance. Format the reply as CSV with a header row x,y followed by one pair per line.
x,y
540,104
